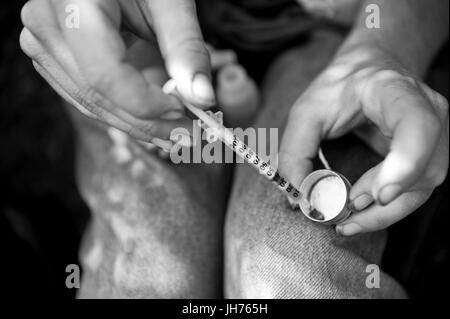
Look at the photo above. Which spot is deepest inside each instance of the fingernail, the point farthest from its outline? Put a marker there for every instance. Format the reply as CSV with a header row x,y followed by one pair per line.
x,y
202,89
339,230
361,202
170,87
388,193
172,115
348,229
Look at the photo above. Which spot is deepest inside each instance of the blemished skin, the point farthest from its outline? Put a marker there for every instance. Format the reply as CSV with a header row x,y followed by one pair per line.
x,y
375,77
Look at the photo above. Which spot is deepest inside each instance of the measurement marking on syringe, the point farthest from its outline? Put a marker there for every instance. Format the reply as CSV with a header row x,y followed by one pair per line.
x,y
239,147
263,167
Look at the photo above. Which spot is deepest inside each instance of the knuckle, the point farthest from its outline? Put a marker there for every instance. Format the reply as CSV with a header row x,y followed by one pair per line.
x,y
31,14
26,41
26,14
32,48
439,179
197,47
432,120
437,100
384,78
441,103
436,177
192,45
379,80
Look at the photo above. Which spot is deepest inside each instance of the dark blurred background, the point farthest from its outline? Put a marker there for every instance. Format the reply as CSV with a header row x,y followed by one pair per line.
x,y
41,212
42,215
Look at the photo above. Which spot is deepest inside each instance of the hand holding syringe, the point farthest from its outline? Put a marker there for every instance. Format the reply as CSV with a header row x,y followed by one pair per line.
x,y
310,183
239,147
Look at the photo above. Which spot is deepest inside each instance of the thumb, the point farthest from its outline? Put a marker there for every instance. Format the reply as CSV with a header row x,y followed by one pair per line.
x,y
300,143
186,57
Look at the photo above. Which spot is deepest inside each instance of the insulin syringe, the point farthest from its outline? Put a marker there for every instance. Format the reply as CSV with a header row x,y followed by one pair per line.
x,y
243,150
246,153
240,148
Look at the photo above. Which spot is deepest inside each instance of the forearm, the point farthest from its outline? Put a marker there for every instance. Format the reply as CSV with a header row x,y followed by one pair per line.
x,y
410,30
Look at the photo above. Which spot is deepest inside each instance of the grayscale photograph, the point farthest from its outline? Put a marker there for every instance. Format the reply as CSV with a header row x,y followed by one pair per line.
x,y
224,154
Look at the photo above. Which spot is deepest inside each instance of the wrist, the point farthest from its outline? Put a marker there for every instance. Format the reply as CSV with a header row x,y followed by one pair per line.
x,y
363,54
412,31
369,52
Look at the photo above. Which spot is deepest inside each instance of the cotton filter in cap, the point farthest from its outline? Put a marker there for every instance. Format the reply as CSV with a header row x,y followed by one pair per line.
x,y
327,193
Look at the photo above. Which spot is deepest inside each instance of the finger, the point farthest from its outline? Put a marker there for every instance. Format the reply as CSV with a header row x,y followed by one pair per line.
x,y
373,138
47,40
105,116
187,59
82,97
361,194
146,58
40,40
361,191
100,53
380,217
220,58
300,143
59,79
403,112
140,131
64,85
